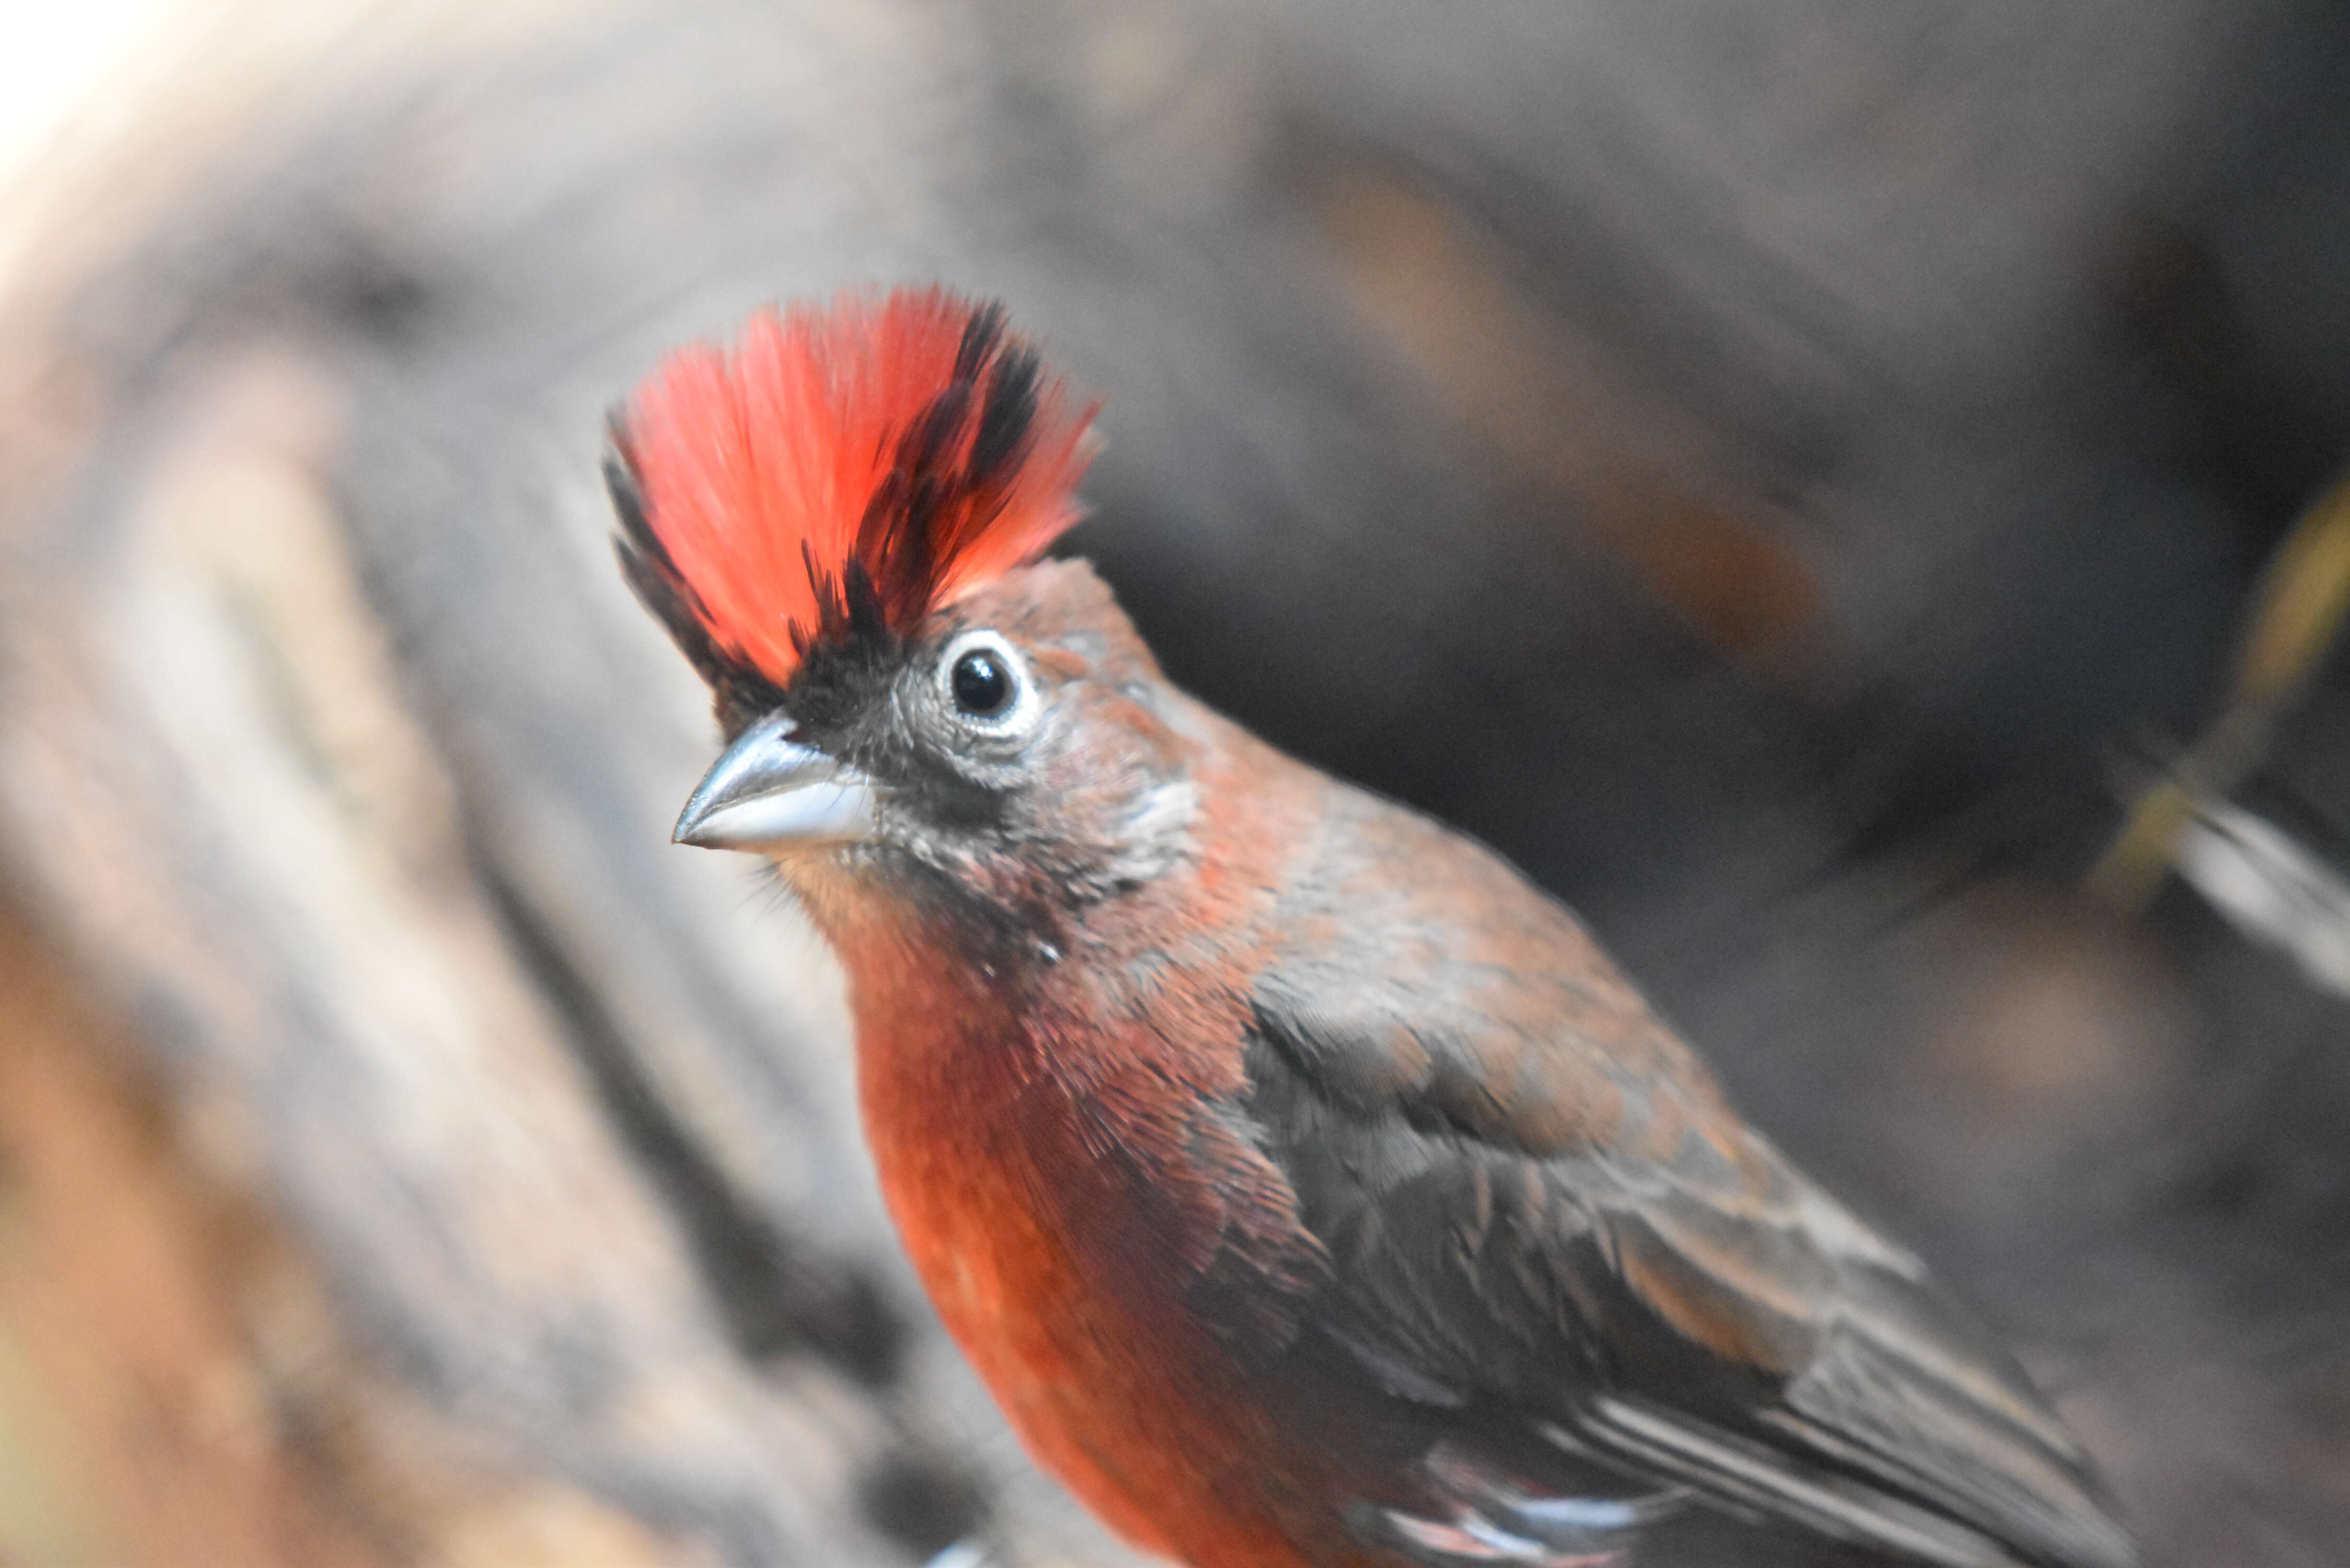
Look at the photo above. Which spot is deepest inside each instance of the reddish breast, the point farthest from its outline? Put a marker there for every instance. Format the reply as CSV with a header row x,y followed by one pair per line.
x,y
1045,1210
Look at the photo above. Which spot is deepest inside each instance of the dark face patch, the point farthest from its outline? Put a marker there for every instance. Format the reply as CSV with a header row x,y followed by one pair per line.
x,y
1055,800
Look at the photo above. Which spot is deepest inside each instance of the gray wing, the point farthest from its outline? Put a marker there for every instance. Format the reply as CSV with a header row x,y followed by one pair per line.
x,y
1538,1208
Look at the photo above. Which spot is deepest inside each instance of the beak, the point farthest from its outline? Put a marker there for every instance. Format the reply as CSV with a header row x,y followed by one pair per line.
x,y
769,792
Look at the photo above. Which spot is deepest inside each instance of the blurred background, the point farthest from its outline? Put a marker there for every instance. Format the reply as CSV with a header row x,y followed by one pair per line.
x,y
1838,492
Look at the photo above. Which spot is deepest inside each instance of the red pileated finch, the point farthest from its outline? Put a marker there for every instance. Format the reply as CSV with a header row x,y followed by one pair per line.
x,y
1307,1186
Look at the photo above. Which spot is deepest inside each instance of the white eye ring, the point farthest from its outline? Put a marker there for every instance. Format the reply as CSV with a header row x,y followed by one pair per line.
x,y
985,684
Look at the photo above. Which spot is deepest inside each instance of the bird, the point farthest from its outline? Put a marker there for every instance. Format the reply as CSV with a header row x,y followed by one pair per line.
x,y
1309,1188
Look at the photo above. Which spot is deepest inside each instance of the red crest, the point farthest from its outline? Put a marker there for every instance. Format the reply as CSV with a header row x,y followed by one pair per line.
x,y
840,472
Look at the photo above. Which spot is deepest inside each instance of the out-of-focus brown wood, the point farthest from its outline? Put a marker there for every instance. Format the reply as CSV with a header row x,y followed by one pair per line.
x,y
177,1392
177,1397
149,1419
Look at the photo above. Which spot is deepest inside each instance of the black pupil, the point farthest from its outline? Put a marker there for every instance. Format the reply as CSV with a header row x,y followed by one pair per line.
x,y
983,686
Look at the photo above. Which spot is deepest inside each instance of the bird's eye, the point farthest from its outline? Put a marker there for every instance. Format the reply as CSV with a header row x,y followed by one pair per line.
x,y
982,684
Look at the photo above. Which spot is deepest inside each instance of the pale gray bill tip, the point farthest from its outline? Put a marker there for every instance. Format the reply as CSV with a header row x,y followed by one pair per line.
x,y
769,790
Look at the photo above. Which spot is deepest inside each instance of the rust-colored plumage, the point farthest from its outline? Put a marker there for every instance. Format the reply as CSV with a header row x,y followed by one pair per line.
x,y
1310,1188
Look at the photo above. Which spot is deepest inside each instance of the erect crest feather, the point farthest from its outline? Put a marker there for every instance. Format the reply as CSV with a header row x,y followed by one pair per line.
x,y
838,476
